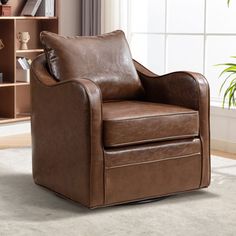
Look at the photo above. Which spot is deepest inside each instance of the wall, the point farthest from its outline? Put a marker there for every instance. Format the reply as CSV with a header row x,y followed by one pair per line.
x,y
69,17
223,129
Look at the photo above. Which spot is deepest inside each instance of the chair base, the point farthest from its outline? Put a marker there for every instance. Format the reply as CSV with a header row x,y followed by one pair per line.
x,y
146,201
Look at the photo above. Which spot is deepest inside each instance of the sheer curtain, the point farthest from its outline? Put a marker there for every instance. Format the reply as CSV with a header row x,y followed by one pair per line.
x,y
91,17
115,16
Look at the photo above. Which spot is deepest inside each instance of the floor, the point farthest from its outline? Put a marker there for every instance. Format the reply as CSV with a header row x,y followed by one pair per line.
x,y
24,140
27,209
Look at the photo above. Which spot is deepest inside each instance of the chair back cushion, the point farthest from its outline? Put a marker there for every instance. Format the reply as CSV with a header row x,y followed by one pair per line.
x,y
104,59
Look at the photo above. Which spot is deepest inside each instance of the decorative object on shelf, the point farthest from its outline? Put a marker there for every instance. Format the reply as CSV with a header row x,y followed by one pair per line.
x,y
1,77
1,44
4,2
31,7
5,10
23,38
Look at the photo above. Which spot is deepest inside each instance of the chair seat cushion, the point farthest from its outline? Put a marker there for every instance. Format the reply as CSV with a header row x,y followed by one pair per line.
x,y
133,122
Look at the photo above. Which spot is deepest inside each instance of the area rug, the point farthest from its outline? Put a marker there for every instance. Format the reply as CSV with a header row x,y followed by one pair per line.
x,y
27,209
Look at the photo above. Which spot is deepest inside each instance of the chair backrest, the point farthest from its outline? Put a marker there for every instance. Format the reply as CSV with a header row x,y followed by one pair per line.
x,y
104,59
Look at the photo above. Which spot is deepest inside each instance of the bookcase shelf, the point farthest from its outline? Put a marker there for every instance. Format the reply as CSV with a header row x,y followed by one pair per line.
x,y
13,84
17,119
6,85
15,95
28,17
30,51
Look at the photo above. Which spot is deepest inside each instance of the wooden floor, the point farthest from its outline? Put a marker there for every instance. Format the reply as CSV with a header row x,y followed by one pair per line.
x,y
24,140
224,154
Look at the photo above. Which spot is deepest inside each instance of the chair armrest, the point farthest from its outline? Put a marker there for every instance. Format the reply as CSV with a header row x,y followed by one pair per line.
x,y
66,125
182,88
185,89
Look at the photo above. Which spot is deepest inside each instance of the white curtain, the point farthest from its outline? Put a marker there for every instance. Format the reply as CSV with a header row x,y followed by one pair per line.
x,y
115,16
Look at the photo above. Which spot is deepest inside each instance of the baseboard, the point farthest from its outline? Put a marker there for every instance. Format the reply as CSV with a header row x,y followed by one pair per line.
x,y
224,146
14,129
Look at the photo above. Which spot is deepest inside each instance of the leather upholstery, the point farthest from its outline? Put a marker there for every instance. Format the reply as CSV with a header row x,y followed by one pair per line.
x,y
105,59
145,171
121,156
101,153
62,113
186,89
143,122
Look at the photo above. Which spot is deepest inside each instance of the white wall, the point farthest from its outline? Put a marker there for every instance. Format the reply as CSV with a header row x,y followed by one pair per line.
x,y
223,129
69,17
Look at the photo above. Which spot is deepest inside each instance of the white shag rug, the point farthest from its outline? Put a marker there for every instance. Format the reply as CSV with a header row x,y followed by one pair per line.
x,y
27,209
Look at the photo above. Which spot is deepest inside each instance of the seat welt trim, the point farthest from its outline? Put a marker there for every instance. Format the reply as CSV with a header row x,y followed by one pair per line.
x,y
150,162
149,117
153,140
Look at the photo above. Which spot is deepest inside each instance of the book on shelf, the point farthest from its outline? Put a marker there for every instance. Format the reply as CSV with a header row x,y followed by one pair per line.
x,y
23,63
31,7
23,76
46,8
23,69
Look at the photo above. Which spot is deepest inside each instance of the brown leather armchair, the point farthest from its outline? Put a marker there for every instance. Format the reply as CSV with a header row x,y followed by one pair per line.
x,y
101,152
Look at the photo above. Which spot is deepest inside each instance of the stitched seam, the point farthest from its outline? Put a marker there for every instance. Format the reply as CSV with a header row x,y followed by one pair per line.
x,y
150,117
152,140
199,92
150,162
153,146
90,165
199,128
91,152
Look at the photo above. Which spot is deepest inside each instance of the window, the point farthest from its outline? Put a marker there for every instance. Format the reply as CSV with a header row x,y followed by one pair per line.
x,y
170,35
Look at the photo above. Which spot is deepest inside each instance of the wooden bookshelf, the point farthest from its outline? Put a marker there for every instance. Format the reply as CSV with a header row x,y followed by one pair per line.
x,y
15,95
13,84
30,50
28,17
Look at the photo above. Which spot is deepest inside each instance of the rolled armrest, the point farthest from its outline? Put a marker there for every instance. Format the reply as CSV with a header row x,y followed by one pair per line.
x,y
185,89
182,88
66,130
